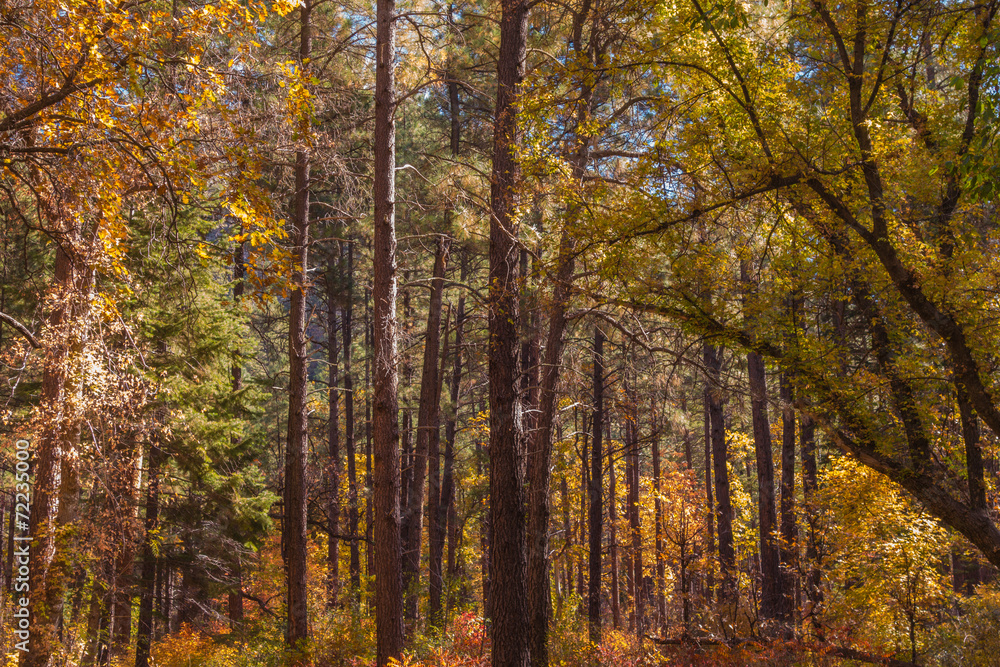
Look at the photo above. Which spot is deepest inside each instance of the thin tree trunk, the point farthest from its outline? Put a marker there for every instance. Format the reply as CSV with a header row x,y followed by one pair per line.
x,y
770,568
369,496
239,287
810,485
661,583
448,486
349,429
585,497
385,415
723,502
595,490
427,422
333,442
632,431
148,577
436,506
789,526
616,613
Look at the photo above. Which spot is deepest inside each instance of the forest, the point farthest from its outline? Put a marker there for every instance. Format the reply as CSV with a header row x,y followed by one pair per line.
x,y
517,333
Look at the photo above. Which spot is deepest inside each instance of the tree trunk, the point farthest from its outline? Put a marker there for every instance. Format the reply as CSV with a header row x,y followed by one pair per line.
x,y
770,568
436,507
385,414
427,422
297,632
349,435
448,486
723,502
632,434
333,442
810,485
125,494
789,526
148,576
595,490
56,469
508,594
239,286
616,613
661,583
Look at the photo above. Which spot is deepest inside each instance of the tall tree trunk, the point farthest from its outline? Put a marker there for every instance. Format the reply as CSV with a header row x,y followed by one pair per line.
x,y
349,429
56,469
661,583
333,442
595,487
616,612
789,525
810,485
125,494
385,414
770,568
427,422
448,486
723,502
585,497
508,594
148,576
635,527
540,456
436,508
297,632
709,497
239,287
369,484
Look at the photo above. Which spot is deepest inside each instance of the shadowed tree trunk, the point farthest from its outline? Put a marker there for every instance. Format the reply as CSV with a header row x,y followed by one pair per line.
x,y
661,583
723,503
448,485
56,468
235,606
347,315
595,487
436,508
789,526
333,441
427,426
148,575
770,569
385,413
616,618
635,527
297,632
508,605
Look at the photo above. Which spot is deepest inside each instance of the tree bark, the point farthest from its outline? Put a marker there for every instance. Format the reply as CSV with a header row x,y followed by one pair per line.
x,y
723,502
508,590
333,442
436,507
595,487
616,618
347,316
56,469
661,583
789,525
385,413
448,486
148,576
770,568
297,632
635,527
427,423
